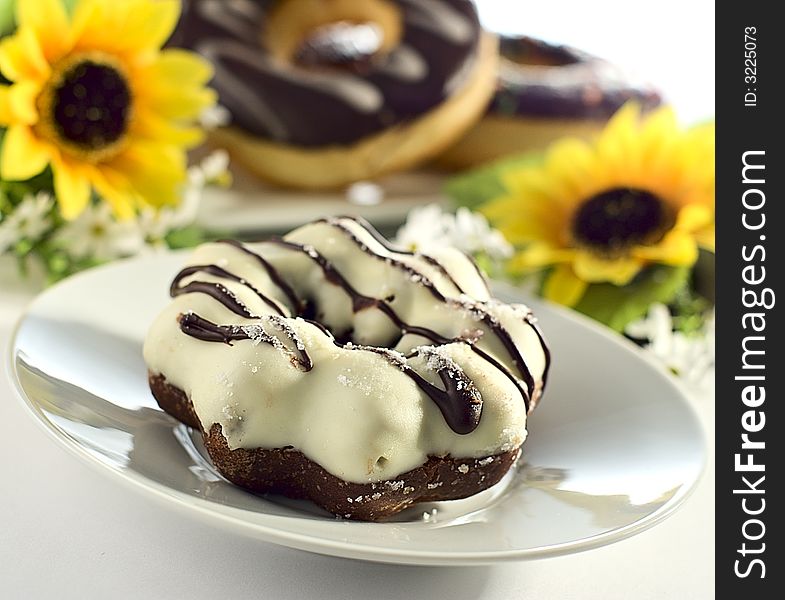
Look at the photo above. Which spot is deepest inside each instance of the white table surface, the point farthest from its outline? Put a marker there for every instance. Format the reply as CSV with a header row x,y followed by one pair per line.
x,y
68,531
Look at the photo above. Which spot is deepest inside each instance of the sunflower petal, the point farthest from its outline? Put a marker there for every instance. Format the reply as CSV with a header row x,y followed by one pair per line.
x,y
113,187
49,21
85,17
21,57
129,26
17,103
595,269
185,102
173,84
150,24
154,170
541,255
72,188
573,161
152,127
179,67
621,123
6,113
23,155
564,287
677,248
693,217
528,219
660,124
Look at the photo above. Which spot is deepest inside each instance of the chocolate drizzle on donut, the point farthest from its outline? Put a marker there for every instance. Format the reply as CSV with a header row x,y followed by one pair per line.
x,y
272,273
207,331
361,302
218,291
459,400
429,259
486,318
336,222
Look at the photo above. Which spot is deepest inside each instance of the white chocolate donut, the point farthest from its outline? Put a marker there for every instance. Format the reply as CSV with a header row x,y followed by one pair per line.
x,y
365,359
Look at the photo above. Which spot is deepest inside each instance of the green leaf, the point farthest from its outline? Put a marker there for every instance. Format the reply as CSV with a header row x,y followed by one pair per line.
x,y
187,237
475,187
6,16
616,306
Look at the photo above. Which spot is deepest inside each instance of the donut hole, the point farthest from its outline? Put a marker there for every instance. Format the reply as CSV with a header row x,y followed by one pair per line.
x,y
340,45
332,33
530,52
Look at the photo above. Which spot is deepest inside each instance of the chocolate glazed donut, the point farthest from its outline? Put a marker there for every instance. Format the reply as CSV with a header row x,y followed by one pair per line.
x,y
545,92
326,82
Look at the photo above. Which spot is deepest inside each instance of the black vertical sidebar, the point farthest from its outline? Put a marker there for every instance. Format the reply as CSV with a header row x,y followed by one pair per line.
x,y
750,426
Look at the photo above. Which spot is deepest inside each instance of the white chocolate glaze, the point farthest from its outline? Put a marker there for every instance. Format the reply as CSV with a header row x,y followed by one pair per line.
x,y
357,405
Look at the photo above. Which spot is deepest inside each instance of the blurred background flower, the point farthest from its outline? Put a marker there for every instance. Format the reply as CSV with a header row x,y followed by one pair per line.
x,y
609,226
94,98
642,194
96,120
430,228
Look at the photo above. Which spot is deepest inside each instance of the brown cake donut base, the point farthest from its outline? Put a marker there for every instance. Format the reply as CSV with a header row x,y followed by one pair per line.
x,y
289,472
495,137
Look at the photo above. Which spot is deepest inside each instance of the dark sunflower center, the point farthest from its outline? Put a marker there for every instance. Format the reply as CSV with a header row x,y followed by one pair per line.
x,y
91,105
620,218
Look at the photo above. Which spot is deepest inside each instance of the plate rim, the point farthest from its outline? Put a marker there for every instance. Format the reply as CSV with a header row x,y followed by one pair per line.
x,y
218,515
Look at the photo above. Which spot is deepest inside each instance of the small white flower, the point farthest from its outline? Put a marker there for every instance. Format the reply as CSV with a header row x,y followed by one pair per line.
x,y
8,236
214,117
29,221
429,227
691,357
472,233
96,233
155,224
214,168
424,229
9,233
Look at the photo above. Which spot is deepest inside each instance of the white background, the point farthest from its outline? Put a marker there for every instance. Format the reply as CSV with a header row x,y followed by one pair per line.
x,y
668,42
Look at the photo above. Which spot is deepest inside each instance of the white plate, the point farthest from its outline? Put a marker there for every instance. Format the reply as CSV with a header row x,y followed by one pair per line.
x,y
614,446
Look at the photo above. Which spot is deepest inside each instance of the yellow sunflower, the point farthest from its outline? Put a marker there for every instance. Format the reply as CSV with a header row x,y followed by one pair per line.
x,y
94,96
642,193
